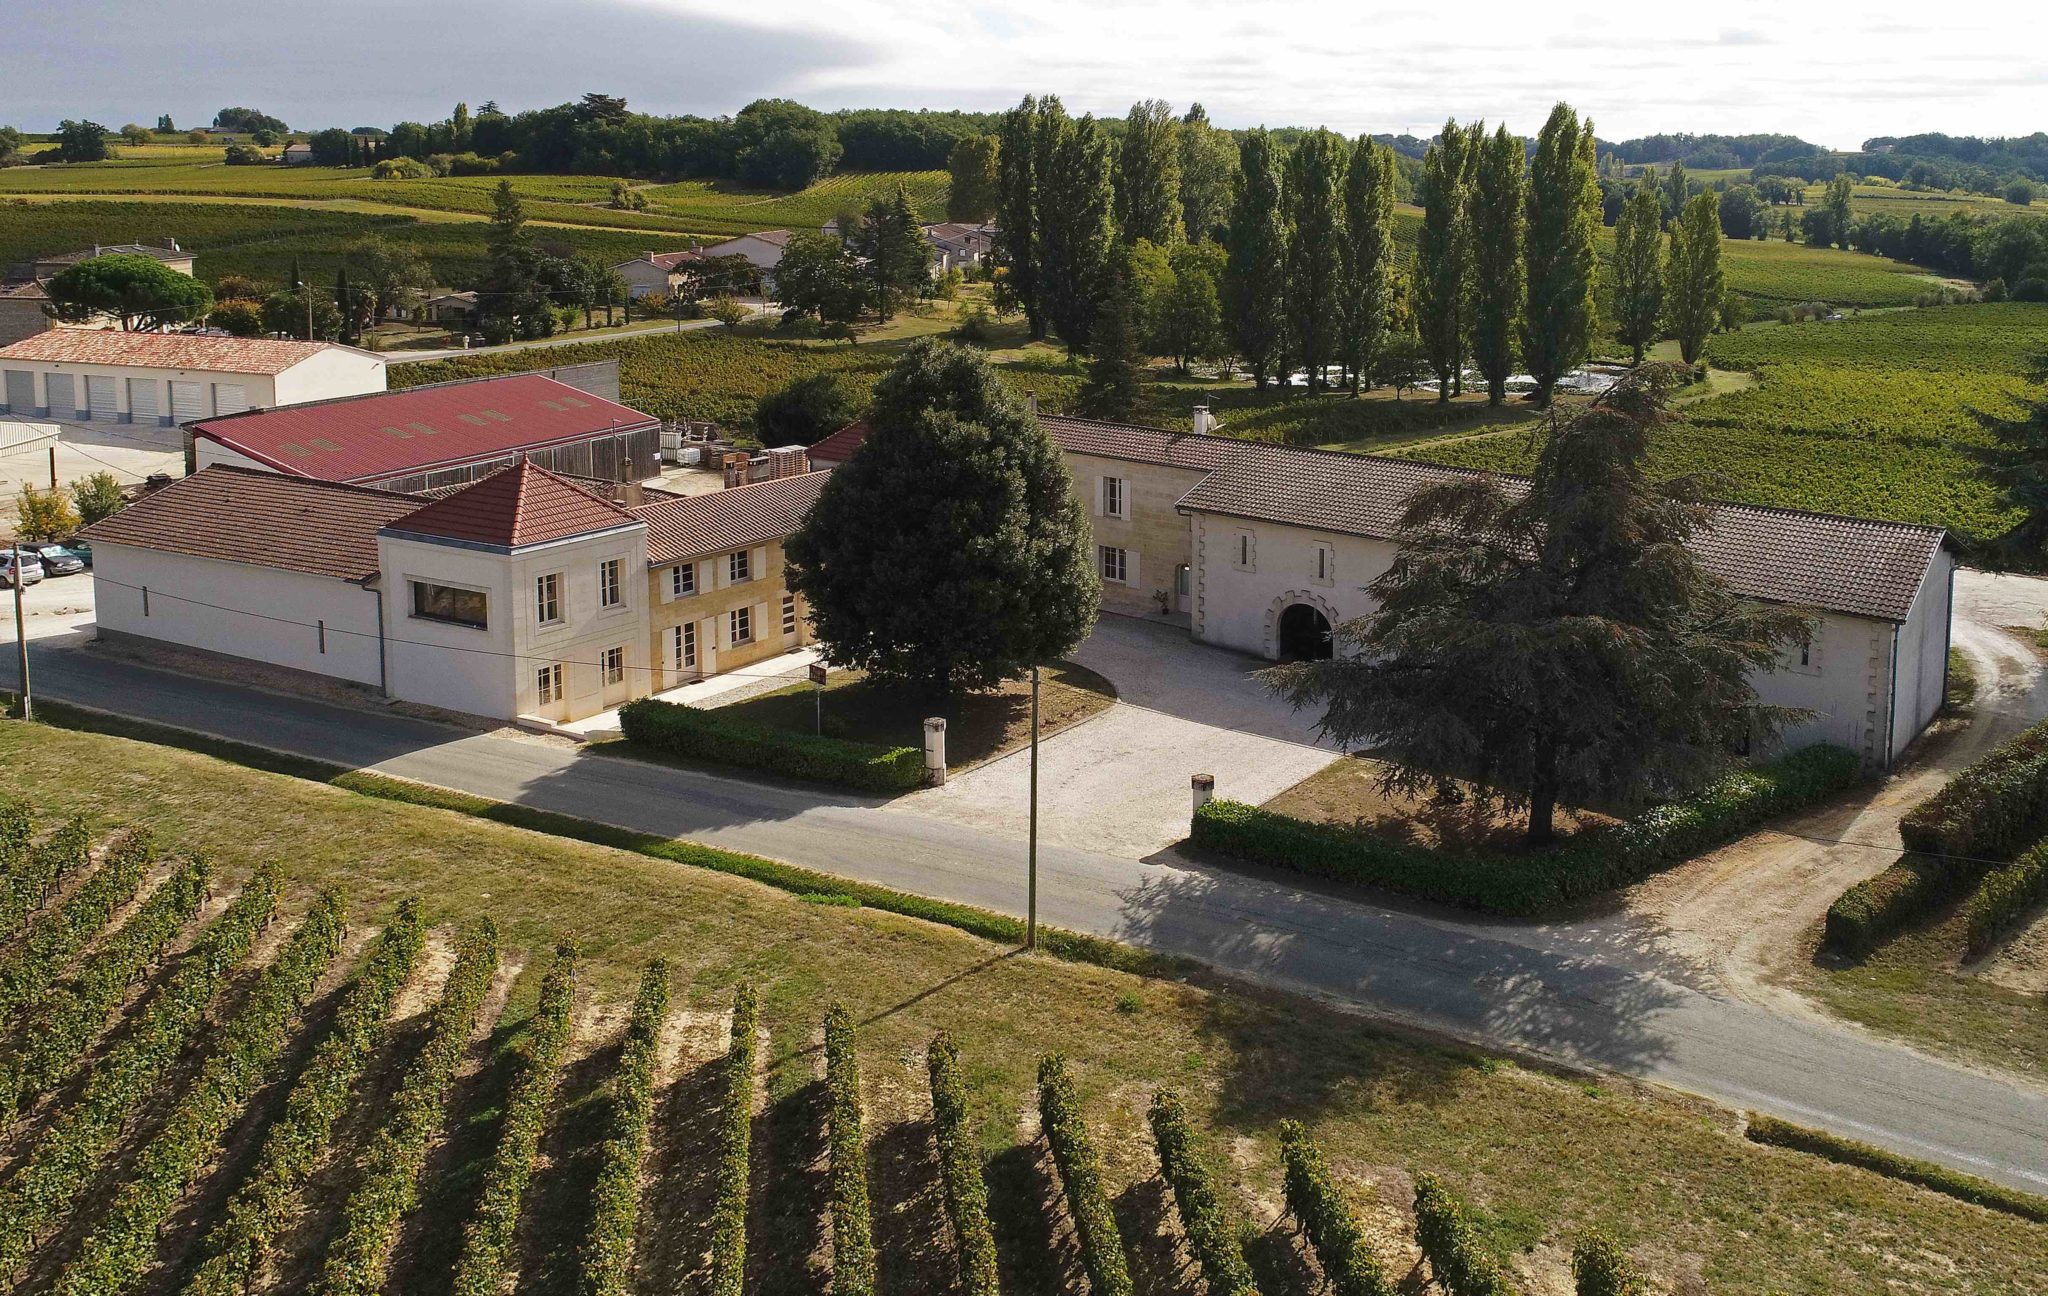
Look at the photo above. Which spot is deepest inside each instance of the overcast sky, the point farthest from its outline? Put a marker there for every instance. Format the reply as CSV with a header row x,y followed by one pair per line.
x,y
1827,70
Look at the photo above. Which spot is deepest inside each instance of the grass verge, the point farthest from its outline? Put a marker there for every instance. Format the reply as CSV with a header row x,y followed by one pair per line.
x,y
1773,1132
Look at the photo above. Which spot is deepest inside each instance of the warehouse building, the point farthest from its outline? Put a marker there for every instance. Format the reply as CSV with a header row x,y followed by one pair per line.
x,y
164,379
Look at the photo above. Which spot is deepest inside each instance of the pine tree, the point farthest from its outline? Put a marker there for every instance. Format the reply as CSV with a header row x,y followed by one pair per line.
x,y
897,257
1114,377
1638,269
1016,244
1208,167
1368,289
1441,260
1497,285
1255,273
1148,176
1312,200
1564,215
1692,275
512,303
1076,223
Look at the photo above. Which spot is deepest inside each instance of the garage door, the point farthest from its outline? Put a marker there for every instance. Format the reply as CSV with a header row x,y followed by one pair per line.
x,y
20,392
188,401
99,398
229,398
142,399
63,393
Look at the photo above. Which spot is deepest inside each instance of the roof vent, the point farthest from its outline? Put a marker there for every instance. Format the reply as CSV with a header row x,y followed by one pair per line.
x,y
556,406
295,449
472,419
424,429
499,415
322,443
398,432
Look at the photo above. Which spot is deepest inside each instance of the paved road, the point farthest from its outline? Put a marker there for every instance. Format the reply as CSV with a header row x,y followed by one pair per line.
x,y
1588,994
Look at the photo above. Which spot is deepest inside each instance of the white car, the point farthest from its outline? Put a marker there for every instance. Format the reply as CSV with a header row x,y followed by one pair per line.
x,y
31,569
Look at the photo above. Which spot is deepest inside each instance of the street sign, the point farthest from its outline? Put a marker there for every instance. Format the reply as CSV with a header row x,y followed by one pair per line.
x,y
818,674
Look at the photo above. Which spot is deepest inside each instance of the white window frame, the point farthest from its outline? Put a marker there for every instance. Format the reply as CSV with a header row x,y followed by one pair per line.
x,y
547,598
682,580
739,567
547,684
739,625
1116,498
682,646
788,613
1114,562
613,663
611,589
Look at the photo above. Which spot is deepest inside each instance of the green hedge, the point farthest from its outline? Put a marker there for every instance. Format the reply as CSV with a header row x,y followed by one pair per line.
x,y
263,1206
1601,1268
1954,1183
608,1256
359,1257
735,1148
1203,1221
30,969
1874,910
974,1239
853,1226
1073,1152
1334,1232
1992,810
244,1048
72,1014
1500,883
2005,898
706,735
1461,1264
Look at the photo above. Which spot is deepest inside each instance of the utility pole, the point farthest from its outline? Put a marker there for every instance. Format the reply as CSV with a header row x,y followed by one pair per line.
x,y
1031,898
21,635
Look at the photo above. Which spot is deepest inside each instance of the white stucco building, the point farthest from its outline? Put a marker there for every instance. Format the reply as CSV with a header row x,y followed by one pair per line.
x,y
164,379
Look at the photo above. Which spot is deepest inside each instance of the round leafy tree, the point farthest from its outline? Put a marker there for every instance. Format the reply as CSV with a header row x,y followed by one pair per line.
x,y
140,291
950,551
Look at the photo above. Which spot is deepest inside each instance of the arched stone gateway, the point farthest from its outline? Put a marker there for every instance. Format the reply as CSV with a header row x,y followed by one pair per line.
x,y
1304,634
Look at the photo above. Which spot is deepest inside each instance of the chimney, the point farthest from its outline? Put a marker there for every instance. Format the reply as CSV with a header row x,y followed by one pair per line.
x,y
1031,401
1202,424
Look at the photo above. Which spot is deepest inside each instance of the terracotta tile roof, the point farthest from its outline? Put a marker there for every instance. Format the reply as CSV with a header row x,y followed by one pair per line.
x,y
164,350
23,290
664,260
246,515
1854,566
117,249
839,447
387,434
515,506
1141,444
734,518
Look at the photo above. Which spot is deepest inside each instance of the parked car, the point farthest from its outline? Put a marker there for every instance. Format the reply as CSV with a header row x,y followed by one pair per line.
x,y
82,548
57,560
31,572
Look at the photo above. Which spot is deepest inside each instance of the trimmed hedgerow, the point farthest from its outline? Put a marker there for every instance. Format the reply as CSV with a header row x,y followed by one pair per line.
x,y
72,1014
487,1242
236,1248
1954,1183
1601,1268
29,883
2006,897
1202,1218
1462,1266
63,1163
1875,909
360,1255
706,735
1102,1246
244,1048
853,1228
31,969
1334,1232
735,1146
1990,811
608,1256
1499,883
974,1238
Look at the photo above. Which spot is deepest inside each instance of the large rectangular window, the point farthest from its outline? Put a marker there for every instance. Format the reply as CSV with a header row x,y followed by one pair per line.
x,y
682,646
608,588
547,684
789,614
547,598
614,660
1114,503
739,567
431,602
1115,565
682,580
741,625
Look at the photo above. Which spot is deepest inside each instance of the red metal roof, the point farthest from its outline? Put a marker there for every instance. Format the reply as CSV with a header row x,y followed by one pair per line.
x,y
515,506
387,434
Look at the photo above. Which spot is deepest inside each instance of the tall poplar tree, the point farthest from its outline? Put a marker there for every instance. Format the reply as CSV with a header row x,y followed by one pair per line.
x,y
1148,175
1692,275
1564,216
1312,203
1442,252
1208,168
1368,291
1638,269
1076,223
1255,270
1016,243
1497,285
975,178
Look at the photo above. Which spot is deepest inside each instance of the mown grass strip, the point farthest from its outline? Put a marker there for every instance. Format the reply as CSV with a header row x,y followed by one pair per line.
x,y
1071,946
608,1256
295,1146
735,1148
1208,1229
27,974
64,1161
974,1240
487,1242
359,1258
72,1014
1073,1153
853,1226
1771,1131
1333,1230
244,1049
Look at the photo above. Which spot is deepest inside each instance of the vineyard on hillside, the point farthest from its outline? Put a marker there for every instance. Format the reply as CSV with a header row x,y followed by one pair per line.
x,y
721,207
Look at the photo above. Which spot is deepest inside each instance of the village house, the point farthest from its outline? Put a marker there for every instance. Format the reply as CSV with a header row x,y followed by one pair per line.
x,y
652,272
24,299
959,245
165,379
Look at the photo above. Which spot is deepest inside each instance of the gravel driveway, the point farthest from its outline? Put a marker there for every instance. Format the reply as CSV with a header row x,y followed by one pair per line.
x,y
1118,783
